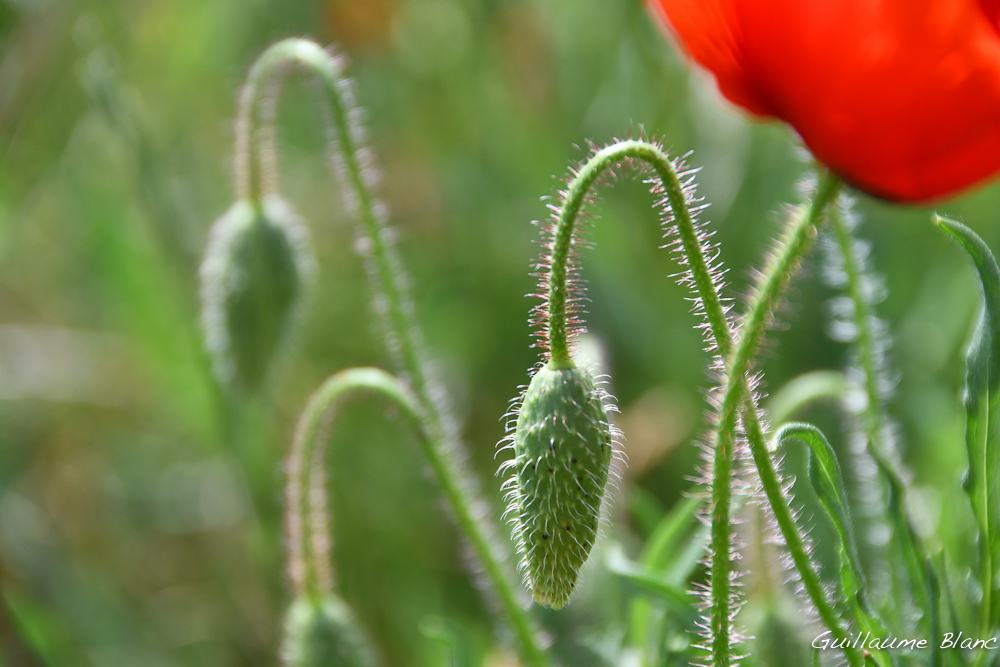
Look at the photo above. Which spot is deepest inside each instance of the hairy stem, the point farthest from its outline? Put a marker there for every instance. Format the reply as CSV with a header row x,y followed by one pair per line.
x,y
573,201
307,523
874,414
774,278
702,277
907,544
739,358
255,173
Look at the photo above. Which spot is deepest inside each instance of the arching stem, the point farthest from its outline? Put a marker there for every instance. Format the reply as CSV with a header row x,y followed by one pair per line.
x,y
255,174
738,356
307,519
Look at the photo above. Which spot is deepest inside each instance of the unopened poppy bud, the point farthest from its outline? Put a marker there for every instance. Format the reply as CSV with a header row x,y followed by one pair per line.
x,y
562,456
253,273
324,634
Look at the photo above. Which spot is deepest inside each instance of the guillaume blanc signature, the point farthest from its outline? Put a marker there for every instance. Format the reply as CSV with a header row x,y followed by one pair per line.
x,y
872,642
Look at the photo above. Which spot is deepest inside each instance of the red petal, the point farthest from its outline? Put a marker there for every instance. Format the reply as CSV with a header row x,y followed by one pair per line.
x,y
902,97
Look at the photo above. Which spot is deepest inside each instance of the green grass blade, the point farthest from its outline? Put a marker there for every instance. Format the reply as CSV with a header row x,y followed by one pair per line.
x,y
805,390
675,597
982,391
672,552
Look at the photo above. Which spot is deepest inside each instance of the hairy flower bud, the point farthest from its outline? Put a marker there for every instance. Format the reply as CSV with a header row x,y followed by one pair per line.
x,y
254,269
324,635
562,456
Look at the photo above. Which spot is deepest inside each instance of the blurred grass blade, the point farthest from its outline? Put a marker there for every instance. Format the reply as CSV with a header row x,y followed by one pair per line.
x,y
452,640
982,404
47,641
907,540
804,391
651,583
645,510
666,540
934,611
671,547
948,595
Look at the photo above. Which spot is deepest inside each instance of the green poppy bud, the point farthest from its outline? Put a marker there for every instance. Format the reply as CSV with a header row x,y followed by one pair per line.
x,y
254,269
324,634
562,456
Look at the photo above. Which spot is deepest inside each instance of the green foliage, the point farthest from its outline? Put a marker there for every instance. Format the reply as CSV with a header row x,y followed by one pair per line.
x,y
139,512
982,414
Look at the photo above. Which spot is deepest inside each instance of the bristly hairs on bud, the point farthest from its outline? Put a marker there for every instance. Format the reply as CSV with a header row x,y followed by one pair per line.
x,y
672,185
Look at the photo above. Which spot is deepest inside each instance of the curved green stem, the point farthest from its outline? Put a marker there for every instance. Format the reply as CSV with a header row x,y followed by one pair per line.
x,y
774,279
396,307
307,517
803,391
565,226
254,165
668,185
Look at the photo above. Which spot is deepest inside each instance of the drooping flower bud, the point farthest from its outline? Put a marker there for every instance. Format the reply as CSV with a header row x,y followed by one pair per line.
x,y
254,270
324,634
562,456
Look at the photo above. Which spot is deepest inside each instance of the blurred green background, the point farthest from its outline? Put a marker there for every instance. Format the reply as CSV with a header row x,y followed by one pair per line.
x,y
140,511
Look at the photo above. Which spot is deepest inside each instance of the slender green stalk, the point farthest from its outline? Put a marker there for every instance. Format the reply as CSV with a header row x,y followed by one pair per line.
x,y
255,174
774,279
254,165
307,522
874,414
668,185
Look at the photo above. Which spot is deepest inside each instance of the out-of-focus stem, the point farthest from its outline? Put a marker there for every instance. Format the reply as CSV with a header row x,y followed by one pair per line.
x,y
255,174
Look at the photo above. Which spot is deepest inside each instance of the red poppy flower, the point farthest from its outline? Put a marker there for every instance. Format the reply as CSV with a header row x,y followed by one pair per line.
x,y
900,97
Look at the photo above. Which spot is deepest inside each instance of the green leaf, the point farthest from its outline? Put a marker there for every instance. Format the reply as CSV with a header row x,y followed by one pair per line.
x,y
828,483
910,546
982,404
